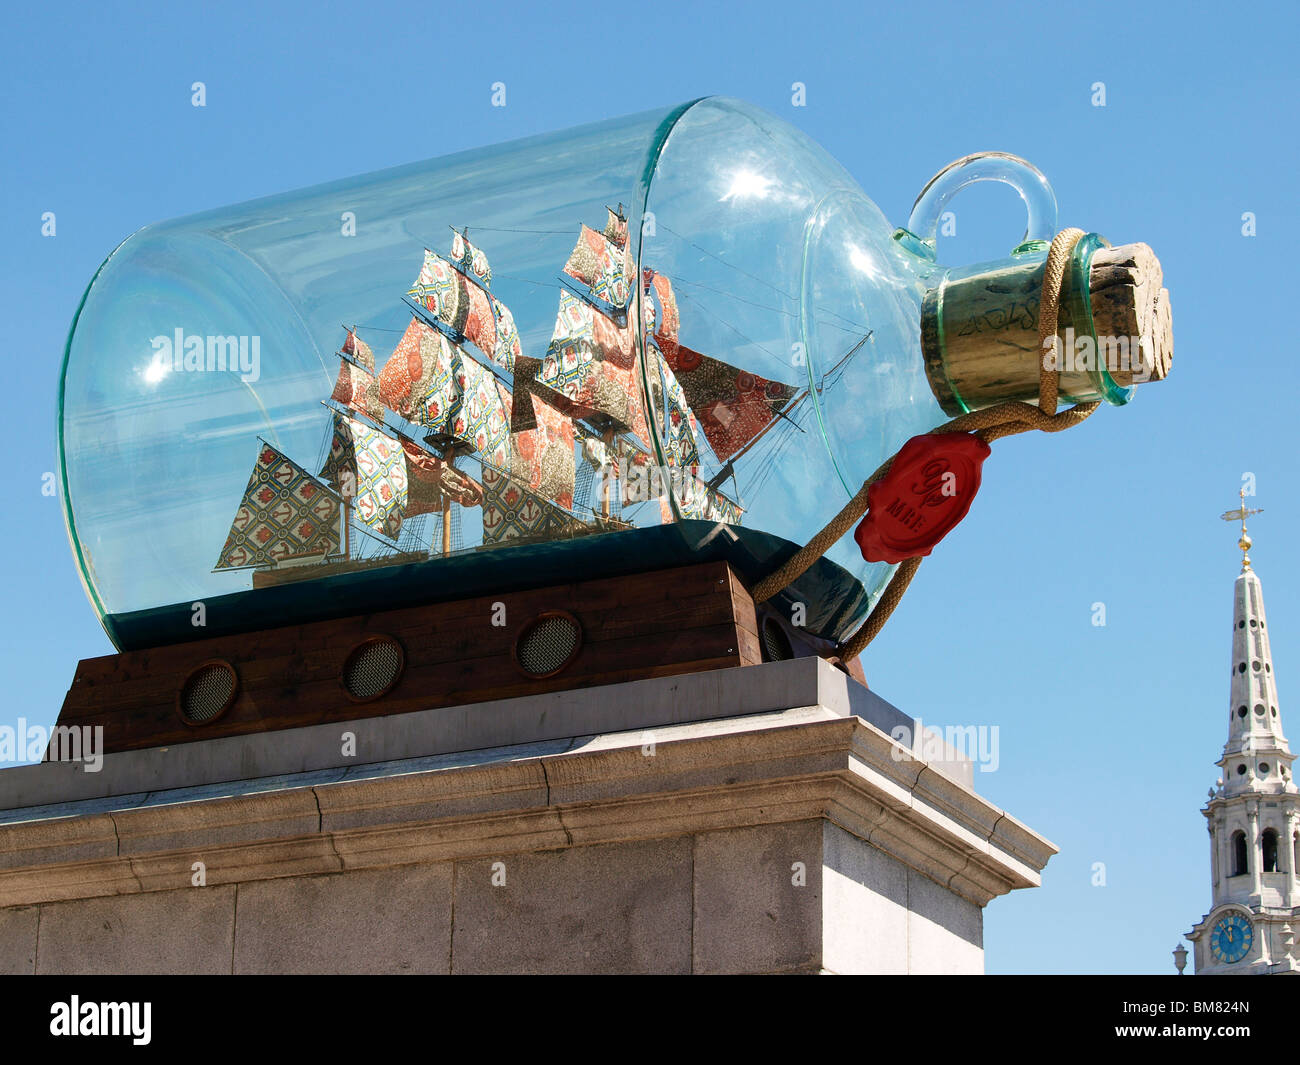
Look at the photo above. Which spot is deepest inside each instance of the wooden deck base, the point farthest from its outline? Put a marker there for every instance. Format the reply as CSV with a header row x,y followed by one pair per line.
x,y
665,622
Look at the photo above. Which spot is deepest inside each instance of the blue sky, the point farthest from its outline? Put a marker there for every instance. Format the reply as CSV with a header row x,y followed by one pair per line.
x,y
1107,734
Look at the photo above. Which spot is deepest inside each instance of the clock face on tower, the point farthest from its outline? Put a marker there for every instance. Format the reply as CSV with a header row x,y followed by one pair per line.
x,y
1231,939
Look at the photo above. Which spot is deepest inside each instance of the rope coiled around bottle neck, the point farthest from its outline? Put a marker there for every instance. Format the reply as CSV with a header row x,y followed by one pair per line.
x,y
989,424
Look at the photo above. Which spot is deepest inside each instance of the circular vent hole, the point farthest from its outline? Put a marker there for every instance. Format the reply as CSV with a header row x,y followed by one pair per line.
x,y
372,668
776,644
207,693
548,644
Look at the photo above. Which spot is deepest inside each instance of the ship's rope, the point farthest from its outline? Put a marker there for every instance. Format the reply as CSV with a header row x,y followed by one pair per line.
x,y
992,423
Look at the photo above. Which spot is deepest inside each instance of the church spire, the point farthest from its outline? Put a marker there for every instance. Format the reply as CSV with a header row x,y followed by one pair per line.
x,y
1241,514
1254,812
1256,758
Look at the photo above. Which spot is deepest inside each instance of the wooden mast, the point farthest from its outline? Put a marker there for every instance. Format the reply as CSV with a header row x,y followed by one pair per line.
x,y
607,437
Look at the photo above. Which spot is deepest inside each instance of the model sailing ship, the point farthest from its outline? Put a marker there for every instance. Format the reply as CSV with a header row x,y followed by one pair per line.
x,y
409,440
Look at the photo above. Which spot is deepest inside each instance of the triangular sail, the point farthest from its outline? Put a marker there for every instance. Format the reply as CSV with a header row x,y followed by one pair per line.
x,y
732,405
285,514
511,512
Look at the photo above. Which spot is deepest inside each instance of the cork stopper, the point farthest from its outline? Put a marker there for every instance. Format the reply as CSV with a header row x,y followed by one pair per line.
x,y
979,331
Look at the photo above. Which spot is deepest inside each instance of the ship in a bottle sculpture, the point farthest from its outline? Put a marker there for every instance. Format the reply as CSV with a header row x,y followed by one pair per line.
x,y
396,436
710,373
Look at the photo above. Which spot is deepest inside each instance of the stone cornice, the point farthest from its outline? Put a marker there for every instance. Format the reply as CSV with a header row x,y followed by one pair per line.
x,y
797,765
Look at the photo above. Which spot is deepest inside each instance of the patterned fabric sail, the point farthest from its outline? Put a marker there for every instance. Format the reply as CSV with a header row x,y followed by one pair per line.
x,y
511,512
358,351
616,228
697,500
466,405
285,514
680,427
356,386
470,259
432,482
604,267
665,329
452,301
542,458
733,406
508,350
371,467
590,365
407,376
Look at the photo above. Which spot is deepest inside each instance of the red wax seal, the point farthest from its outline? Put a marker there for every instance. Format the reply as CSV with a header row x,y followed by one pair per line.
x,y
926,492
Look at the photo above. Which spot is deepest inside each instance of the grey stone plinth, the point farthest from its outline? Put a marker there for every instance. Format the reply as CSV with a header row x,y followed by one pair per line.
x,y
795,840
394,920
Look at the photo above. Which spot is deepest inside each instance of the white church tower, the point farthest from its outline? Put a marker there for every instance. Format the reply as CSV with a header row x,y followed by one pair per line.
x,y
1253,813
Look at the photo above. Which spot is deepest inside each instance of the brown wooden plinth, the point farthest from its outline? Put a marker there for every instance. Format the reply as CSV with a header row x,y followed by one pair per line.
x,y
652,624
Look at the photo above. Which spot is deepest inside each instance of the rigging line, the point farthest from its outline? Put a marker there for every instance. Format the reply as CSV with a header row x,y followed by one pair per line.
x,y
504,229
849,354
784,413
779,443
365,530
681,281
729,266
763,460
755,277
765,457
525,280
768,468
857,326
747,340
836,371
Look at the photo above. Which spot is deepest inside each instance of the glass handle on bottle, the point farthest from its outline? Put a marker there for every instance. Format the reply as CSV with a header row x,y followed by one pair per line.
x,y
1021,175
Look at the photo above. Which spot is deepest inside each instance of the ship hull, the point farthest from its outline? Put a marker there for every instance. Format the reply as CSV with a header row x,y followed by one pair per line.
x,y
831,596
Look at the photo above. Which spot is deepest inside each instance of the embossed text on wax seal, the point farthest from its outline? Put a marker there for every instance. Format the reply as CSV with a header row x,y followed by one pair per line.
x,y
925,494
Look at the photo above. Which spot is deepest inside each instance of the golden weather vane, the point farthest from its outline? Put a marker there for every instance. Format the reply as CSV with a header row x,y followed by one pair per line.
x,y
1241,514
